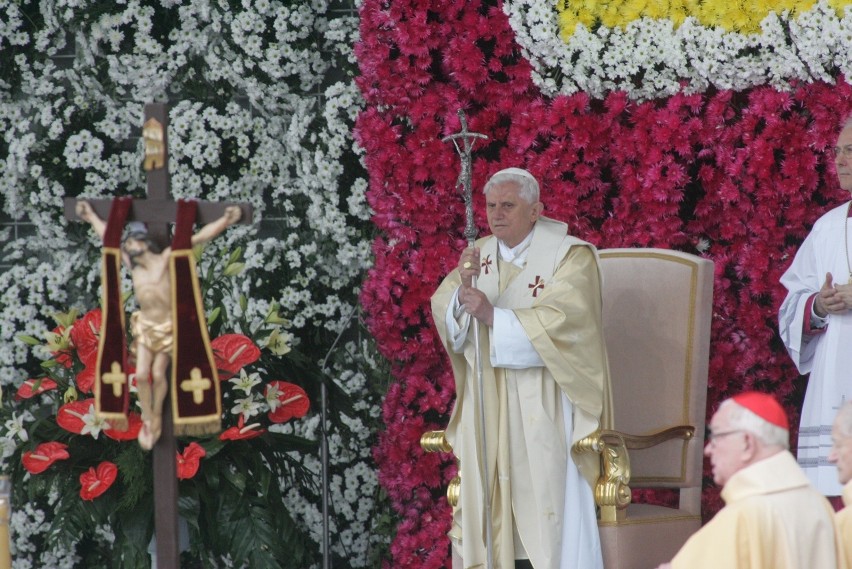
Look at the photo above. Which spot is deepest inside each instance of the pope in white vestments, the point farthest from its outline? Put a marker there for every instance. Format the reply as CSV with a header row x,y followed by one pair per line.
x,y
537,301
815,323
773,517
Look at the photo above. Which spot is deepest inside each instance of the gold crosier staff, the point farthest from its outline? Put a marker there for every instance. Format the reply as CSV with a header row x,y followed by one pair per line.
x,y
463,185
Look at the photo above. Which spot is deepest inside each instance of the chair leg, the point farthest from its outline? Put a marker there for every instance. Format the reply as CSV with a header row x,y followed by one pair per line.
x,y
523,564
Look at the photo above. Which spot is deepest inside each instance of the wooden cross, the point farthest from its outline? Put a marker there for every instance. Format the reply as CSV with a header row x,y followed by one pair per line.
x,y
158,211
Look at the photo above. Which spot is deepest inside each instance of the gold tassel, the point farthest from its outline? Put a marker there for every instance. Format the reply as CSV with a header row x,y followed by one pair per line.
x,y
198,429
118,423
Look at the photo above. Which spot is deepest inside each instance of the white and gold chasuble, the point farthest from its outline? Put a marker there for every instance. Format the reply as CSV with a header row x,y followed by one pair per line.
x,y
534,414
773,519
844,524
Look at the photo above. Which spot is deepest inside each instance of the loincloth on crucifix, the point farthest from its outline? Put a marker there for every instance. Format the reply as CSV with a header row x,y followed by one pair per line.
x,y
156,336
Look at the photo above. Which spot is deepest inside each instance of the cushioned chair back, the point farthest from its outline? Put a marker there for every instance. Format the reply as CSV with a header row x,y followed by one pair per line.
x,y
657,313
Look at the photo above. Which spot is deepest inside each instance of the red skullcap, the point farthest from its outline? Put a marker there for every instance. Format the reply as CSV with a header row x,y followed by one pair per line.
x,y
764,406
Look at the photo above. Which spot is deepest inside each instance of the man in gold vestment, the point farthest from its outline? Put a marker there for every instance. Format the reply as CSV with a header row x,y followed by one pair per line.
x,y
773,517
841,455
537,302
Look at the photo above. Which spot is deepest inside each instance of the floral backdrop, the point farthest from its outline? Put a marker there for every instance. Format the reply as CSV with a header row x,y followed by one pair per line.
x,y
697,126
648,126
262,105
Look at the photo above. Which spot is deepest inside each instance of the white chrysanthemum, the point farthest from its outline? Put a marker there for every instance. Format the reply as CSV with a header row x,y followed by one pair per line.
x,y
263,133
692,57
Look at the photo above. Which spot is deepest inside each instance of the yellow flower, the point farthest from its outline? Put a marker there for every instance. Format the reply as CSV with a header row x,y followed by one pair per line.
x,y
743,16
58,342
629,11
278,343
66,319
70,395
272,317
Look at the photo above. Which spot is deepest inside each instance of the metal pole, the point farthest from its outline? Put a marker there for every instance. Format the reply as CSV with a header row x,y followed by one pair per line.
x,y
326,532
464,185
326,540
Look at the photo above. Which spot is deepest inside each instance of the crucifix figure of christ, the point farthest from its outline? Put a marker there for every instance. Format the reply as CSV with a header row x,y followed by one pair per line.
x,y
151,261
152,324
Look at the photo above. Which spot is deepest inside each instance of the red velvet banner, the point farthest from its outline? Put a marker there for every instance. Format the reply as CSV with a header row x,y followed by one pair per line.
x,y
112,388
195,391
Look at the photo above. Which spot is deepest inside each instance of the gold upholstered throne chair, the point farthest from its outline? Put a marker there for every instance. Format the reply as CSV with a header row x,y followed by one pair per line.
x,y
657,311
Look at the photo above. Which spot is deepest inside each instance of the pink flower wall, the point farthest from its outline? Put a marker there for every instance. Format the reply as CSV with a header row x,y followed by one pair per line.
x,y
738,177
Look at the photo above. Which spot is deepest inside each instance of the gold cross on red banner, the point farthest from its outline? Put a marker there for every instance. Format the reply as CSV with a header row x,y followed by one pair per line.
x,y
536,286
197,384
116,378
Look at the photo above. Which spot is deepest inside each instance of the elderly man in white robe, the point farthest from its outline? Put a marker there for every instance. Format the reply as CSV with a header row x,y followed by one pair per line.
x,y
537,301
816,324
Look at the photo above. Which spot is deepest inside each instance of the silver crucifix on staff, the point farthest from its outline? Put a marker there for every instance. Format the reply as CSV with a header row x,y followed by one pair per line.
x,y
463,142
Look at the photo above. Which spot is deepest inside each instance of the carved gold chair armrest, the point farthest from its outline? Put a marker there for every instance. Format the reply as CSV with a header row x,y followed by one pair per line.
x,y
612,491
436,441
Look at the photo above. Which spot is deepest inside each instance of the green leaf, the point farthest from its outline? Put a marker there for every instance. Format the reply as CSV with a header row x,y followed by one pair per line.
x,y
214,314
234,269
29,340
235,256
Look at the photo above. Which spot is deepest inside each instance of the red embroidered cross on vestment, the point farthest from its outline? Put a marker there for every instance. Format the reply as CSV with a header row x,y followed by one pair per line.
x,y
536,286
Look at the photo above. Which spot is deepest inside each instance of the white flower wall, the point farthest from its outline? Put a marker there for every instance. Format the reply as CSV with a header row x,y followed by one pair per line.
x,y
262,104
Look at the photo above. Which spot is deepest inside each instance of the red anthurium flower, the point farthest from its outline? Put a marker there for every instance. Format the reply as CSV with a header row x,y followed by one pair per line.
x,y
242,431
189,461
94,482
85,334
232,353
292,401
86,379
70,415
33,387
134,424
38,460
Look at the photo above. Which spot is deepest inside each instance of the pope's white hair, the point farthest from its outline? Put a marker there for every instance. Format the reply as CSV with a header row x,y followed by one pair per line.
x,y
529,190
742,419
